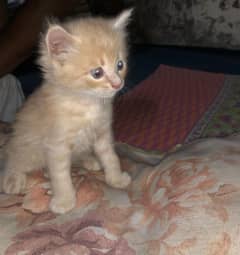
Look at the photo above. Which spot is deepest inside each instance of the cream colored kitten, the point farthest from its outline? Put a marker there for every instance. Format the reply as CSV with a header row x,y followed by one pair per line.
x,y
70,115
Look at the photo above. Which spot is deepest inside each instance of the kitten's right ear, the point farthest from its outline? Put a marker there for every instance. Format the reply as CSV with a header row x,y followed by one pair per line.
x,y
59,42
122,19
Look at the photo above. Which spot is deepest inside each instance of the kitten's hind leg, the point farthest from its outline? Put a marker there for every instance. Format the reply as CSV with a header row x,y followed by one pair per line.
x,y
14,182
18,163
90,162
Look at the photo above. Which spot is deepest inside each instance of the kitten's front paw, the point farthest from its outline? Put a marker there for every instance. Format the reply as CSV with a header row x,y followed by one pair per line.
x,y
119,181
62,205
14,183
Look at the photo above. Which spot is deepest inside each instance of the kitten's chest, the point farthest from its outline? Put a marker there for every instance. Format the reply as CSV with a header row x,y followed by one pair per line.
x,y
86,115
89,126
96,116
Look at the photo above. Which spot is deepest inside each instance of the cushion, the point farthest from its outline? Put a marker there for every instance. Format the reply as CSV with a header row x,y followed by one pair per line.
x,y
186,203
209,23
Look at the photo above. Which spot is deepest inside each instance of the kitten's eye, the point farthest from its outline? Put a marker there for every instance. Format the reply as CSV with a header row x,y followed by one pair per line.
x,y
97,73
120,65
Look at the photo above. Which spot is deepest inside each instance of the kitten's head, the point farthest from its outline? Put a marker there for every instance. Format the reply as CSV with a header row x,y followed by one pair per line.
x,y
87,55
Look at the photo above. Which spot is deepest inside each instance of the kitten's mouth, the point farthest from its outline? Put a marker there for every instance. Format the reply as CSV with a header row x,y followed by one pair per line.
x,y
106,92
111,92
102,94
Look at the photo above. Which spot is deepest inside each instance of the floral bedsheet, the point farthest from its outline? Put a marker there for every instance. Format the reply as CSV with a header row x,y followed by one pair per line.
x,y
186,203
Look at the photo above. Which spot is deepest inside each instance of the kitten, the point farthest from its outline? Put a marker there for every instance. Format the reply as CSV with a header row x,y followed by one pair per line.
x,y
84,63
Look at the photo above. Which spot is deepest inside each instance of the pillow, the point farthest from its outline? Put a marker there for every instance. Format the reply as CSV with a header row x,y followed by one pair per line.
x,y
209,23
188,203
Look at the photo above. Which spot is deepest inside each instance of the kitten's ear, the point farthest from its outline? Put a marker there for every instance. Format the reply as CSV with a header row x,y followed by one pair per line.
x,y
122,19
59,41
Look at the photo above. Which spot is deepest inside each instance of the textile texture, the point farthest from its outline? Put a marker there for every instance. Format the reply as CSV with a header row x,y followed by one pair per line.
x,y
209,23
162,110
186,204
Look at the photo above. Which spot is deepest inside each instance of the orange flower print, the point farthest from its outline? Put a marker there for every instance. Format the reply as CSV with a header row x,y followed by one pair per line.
x,y
82,236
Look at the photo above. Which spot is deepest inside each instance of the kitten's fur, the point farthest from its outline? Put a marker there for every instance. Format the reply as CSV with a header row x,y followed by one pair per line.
x,y
71,114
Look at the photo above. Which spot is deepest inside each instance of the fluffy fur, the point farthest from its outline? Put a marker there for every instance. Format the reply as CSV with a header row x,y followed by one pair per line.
x,y
70,115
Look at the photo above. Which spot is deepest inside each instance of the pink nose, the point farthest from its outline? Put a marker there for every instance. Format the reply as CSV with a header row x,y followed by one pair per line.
x,y
117,85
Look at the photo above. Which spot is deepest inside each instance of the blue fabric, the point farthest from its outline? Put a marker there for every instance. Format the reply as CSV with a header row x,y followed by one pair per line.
x,y
144,59
12,4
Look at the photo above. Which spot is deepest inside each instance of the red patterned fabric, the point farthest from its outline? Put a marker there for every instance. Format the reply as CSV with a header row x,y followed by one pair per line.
x,y
161,111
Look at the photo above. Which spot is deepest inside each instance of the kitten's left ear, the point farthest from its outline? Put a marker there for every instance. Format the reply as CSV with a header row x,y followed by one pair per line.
x,y
122,19
59,41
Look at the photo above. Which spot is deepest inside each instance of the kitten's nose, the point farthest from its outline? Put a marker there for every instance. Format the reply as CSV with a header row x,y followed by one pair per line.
x,y
116,85
115,81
